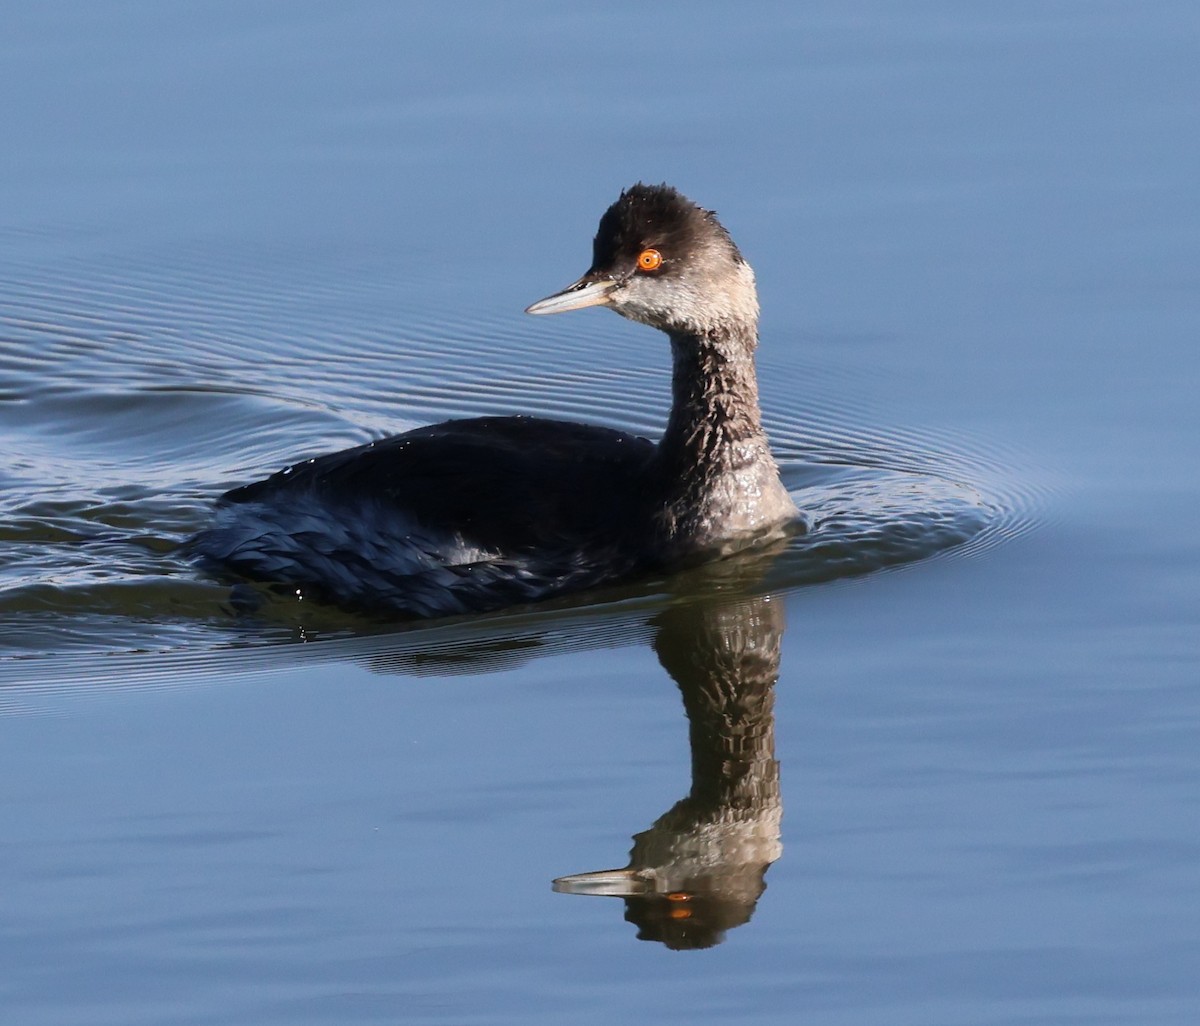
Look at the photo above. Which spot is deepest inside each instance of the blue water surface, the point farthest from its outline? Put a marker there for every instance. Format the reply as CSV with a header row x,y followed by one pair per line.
x,y
936,765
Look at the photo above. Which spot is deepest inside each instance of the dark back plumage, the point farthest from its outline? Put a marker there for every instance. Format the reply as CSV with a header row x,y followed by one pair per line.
x,y
480,513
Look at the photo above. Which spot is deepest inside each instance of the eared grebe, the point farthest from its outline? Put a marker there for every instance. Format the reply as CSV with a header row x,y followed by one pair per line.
x,y
477,514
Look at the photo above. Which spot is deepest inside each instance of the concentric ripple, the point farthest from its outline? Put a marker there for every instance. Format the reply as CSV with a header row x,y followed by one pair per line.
x,y
131,396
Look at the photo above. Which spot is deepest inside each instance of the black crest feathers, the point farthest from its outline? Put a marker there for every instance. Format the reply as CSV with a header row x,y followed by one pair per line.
x,y
658,217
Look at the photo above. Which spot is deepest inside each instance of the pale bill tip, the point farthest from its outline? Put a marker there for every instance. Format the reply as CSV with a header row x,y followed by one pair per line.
x,y
574,297
607,882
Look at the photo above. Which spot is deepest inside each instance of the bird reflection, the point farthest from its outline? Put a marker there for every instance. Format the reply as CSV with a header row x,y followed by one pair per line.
x,y
698,870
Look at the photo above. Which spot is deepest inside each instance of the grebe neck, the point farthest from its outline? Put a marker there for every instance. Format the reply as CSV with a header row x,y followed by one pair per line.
x,y
721,481
715,425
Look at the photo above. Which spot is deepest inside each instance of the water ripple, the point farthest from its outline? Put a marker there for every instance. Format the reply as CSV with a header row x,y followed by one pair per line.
x,y
131,395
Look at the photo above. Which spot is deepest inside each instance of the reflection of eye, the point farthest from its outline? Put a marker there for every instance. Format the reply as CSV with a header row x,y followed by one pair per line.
x,y
649,260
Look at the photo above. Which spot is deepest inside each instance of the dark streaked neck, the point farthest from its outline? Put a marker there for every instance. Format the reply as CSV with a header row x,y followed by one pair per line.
x,y
719,483
715,425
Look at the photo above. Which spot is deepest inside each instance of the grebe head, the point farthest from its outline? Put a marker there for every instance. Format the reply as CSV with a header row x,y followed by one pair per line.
x,y
661,260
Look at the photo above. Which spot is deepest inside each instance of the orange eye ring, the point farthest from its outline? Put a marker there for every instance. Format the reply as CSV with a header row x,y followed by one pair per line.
x,y
649,260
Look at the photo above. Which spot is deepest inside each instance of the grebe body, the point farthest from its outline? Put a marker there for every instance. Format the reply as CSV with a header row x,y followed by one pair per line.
x,y
481,513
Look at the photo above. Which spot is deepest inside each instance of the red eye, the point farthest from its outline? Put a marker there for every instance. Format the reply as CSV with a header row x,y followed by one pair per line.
x,y
649,260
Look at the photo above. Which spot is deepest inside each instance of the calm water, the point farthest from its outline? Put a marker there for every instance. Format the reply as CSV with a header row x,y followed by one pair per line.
x,y
934,762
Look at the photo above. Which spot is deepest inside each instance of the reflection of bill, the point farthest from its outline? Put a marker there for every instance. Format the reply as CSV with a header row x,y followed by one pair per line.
x,y
698,870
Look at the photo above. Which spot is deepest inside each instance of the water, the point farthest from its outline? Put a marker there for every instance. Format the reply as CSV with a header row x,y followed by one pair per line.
x,y
933,762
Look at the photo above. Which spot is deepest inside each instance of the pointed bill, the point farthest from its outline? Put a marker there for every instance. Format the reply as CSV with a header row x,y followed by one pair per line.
x,y
607,882
575,297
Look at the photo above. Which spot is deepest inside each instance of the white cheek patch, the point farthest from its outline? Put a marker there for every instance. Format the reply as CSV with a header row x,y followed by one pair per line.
x,y
699,303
